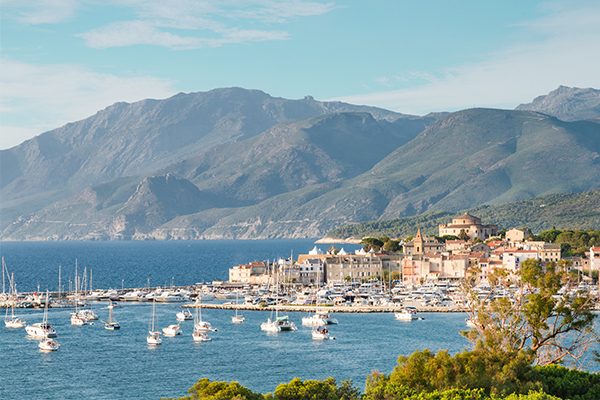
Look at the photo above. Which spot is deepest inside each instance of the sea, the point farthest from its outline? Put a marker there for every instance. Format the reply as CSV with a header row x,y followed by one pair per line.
x,y
93,363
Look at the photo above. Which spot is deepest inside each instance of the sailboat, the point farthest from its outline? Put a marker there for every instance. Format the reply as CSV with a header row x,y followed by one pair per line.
x,y
199,324
42,330
77,317
201,328
13,321
280,323
153,337
48,345
111,324
320,317
237,318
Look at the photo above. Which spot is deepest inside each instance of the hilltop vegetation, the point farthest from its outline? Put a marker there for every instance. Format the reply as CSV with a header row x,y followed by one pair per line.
x,y
567,211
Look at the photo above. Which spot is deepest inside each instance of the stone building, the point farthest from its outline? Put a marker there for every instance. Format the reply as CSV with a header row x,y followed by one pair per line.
x,y
470,225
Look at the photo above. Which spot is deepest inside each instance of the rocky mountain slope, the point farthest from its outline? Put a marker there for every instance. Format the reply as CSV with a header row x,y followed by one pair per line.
x,y
567,103
236,163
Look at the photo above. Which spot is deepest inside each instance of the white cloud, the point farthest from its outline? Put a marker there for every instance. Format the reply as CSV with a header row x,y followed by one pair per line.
x,y
36,98
562,48
39,12
190,24
131,33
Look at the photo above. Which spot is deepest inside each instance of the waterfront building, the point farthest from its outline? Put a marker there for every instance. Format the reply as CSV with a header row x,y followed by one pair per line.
x,y
253,273
470,225
418,269
311,271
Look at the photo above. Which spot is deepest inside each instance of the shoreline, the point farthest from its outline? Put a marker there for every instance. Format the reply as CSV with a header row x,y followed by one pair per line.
x,y
332,309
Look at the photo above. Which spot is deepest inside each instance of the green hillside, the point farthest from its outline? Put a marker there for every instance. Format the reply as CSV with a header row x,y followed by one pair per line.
x,y
574,211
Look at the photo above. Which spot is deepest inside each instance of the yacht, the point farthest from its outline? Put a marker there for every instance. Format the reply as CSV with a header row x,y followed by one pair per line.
x,y
41,330
406,314
200,336
319,318
279,324
172,330
77,319
184,315
48,345
199,324
320,333
153,337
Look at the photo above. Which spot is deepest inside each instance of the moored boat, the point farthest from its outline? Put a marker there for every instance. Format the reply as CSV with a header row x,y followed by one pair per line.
x,y
48,345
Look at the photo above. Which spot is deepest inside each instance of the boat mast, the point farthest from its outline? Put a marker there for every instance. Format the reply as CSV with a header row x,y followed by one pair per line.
x,y
59,281
3,283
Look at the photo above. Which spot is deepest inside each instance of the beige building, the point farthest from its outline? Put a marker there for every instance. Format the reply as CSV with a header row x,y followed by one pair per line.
x,y
360,267
470,225
516,235
431,267
421,244
254,273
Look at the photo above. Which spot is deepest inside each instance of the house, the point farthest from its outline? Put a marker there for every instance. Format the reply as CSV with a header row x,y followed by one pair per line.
x,y
516,235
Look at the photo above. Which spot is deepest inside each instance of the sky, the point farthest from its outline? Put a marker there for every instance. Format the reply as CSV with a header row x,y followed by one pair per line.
x,y
63,60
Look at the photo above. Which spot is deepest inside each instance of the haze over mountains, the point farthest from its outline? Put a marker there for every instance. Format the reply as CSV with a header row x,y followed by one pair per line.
x,y
237,163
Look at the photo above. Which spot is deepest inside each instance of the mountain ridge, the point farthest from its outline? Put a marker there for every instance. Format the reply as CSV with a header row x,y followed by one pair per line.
x,y
241,164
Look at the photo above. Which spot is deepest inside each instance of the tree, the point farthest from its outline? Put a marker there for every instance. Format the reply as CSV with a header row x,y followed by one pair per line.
x,y
371,243
391,245
206,390
311,389
463,235
545,321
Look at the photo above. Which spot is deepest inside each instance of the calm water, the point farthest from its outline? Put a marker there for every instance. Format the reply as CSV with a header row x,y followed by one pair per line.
x,y
97,364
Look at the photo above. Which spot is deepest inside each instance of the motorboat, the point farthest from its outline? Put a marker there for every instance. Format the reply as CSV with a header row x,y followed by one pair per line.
x,y
279,324
320,333
88,314
172,330
48,345
40,330
184,315
406,314
200,336
319,318
77,319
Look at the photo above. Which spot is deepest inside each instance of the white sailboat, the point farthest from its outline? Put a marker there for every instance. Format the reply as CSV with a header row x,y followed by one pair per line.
x,y
279,323
200,324
13,321
42,330
237,318
201,328
320,317
77,317
153,337
111,324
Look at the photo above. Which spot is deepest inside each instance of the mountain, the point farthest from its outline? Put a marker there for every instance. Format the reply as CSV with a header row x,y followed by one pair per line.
x,y
236,163
566,211
567,103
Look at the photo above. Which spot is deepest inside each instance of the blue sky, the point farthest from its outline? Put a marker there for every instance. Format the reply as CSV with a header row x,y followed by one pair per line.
x,y
62,60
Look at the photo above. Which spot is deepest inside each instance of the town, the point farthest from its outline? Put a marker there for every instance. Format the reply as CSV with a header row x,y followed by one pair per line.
x,y
427,271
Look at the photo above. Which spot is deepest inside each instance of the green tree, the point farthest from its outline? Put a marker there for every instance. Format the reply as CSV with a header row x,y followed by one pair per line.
x,y
207,390
311,389
543,321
